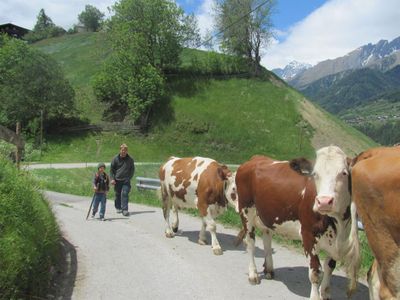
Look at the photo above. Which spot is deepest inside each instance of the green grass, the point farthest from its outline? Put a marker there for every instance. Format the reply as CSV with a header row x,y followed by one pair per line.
x,y
229,120
29,237
79,181
81,56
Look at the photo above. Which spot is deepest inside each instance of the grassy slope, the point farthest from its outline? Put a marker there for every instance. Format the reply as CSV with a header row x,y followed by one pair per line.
x,y
81,56
238,117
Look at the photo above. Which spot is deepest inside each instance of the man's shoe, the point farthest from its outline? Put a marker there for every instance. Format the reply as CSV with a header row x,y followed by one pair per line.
x,y
125,213
102,219
119,211
93,216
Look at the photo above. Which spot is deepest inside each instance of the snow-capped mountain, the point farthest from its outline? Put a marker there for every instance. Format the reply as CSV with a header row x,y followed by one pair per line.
x,y
291,70
382,56
370,53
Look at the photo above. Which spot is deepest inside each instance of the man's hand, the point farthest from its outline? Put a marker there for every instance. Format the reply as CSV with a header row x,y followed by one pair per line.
x,y
113,182
94,188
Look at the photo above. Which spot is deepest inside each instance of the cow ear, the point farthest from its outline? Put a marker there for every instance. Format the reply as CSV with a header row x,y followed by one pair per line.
x,y
349,162
224,172
302,166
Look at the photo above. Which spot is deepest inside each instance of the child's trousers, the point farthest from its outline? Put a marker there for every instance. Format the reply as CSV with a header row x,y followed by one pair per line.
x,y
99,198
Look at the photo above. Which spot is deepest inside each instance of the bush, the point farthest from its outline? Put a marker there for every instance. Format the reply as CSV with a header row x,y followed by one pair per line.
x,y
29,236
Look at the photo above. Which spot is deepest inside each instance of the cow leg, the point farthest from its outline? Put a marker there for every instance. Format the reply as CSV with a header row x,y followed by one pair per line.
x,y
329,266
166,206
314,274
250,215
250,241
175,224
314,269
268,263
202,235
374,282
212,228
377,289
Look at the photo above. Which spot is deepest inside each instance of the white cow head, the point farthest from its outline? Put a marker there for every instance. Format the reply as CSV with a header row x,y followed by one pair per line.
x,y
331,175
230,191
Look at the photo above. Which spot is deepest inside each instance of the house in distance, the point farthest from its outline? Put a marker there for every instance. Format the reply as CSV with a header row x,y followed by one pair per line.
x,y
13,30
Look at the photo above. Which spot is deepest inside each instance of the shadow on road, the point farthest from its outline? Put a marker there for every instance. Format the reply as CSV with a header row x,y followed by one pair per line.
x,y
65,273
296,280
227,241
141,212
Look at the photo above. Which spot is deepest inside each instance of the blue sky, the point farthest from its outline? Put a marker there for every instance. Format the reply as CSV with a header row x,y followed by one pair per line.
x,y
287,12
307,31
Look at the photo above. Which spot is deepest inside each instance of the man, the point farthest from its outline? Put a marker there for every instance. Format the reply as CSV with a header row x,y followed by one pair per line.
x,y
121,173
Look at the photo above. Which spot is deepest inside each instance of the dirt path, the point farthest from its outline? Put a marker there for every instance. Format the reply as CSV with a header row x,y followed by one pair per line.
x,y
130,258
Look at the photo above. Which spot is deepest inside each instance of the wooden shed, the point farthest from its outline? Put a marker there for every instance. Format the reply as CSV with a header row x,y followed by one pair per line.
x,y
13,30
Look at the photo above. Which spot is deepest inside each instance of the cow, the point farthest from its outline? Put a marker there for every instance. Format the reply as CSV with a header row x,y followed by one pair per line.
x,y
195,182
376,192
271,192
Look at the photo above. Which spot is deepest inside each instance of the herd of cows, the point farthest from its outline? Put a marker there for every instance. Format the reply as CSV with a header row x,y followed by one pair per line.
x,y
325,196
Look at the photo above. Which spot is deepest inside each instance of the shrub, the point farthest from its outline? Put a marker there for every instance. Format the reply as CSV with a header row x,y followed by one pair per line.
x,y
29,236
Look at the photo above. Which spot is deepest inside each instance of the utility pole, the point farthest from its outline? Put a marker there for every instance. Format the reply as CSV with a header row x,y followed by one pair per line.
x,y
19,150
41,132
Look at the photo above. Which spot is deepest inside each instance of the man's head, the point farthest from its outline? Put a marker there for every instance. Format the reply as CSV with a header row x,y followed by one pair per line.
x,y
123,150
101,167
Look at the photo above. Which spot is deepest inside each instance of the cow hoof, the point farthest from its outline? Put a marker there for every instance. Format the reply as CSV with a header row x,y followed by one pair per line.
x,y
175,229
201,242
169,234
269,275
254,280
217,251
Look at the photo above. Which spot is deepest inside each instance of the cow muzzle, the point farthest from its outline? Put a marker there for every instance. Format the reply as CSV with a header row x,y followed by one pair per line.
x,y
324,204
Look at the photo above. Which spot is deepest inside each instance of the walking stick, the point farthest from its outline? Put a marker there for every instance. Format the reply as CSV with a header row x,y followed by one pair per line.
x,y
90,207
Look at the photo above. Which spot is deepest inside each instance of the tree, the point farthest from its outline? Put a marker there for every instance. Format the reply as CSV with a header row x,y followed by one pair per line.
x,y
245,27
147,37
43,22
91,18
154,29
30,82
44,28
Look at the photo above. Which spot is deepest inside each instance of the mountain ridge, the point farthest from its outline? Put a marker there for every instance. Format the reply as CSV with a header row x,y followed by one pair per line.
x,y
383,56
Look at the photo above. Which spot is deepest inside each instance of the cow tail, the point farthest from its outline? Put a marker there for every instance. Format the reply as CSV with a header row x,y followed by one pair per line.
x,y
159,193
240,237
353,257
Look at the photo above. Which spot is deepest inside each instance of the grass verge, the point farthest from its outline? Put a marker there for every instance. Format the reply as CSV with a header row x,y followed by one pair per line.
x,y
29,237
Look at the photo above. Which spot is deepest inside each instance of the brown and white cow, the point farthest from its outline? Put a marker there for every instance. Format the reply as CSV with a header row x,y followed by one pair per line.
x,y
376,192
271,192
195,182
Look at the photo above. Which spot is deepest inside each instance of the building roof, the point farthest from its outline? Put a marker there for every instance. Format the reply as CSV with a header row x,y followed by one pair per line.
x,y
13,30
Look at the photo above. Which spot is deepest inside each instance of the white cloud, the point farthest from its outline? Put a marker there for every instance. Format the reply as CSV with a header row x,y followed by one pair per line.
x,y
205,17
336,28
62,13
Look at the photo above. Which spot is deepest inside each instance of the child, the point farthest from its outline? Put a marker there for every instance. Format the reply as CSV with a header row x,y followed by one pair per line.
x,y
101,185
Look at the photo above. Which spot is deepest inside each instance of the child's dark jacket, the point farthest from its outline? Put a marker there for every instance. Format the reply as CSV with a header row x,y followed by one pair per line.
x,y
102,182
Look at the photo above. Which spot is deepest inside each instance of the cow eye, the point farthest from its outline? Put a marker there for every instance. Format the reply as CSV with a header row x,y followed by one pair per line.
x,y
345,173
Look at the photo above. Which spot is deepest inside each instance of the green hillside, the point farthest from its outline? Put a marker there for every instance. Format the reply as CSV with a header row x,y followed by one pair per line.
x,y
352,89
229,118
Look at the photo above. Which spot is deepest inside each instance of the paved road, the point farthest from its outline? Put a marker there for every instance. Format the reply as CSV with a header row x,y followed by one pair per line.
x,y
33,166
130,258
